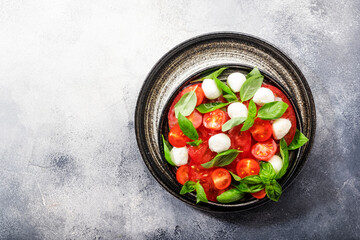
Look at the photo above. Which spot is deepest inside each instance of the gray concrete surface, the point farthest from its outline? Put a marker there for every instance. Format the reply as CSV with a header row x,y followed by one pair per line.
x,y
70,73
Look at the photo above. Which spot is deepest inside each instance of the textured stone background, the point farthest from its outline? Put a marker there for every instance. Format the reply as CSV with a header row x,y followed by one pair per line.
x,y
70,73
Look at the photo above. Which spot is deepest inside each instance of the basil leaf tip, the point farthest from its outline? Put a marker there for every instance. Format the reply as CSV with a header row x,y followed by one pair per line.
x,y
195,143
230,196
273,191
187,127
167,149
299,140
285,158
222,159
186,104
267,172
200,193
232,123
209,107
188,187
251,85
272,110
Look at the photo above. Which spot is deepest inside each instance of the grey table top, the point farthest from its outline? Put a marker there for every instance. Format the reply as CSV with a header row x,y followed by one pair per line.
x,y
70,73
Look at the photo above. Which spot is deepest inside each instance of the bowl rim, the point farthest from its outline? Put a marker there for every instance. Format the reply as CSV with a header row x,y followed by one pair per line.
x,y
144,150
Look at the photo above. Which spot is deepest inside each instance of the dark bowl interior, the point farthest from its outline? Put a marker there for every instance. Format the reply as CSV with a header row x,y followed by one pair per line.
x,y
179,67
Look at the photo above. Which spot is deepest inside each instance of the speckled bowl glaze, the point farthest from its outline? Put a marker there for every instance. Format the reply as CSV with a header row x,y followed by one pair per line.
x,y
185,63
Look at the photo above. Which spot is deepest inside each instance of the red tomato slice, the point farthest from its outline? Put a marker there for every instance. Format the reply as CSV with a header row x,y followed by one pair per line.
x,y
172,120
261,130
247,167
177,138
200,154
260,194
197,172
198,91
204,133
240,140
215,119
221,178
289,113
182,174
264,150
196,118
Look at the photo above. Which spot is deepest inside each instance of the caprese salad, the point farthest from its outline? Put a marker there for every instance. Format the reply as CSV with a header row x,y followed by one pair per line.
x,y
230,139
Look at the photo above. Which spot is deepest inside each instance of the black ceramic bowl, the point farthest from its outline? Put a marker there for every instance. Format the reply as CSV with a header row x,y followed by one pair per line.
x,y
186,62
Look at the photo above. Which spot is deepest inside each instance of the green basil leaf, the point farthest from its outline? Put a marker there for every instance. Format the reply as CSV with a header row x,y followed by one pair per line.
x,y
187,127
214,74
167,149
186,104
267,172
250,86
273,191
229,96
209,107
200,193
222,159
252,179
249,122
252,109
189,186
230,196
235,177
272,110
299,140
233,122
195,143
285,158
253,72
250,188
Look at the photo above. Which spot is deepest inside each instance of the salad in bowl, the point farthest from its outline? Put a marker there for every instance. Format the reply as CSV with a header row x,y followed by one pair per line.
x,y
230,140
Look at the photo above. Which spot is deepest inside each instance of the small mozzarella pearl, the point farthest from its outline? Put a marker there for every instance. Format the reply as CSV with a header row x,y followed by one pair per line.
x,y
276,162
281,127
219,142
210,89
237,109
179,156
235,81
263,95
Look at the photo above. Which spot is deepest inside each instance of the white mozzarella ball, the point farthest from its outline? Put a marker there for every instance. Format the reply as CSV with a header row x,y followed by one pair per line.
x,y
276,162
210,89
179,156
281,127
219,142
237,109
235,81
278,99
263,95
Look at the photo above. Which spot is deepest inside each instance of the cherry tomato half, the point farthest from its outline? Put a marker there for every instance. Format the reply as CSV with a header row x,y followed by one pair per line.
x,y
198,91
215,119
177,138
182,174
260,194
264,150
247,167
221,178
261,130
240,140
